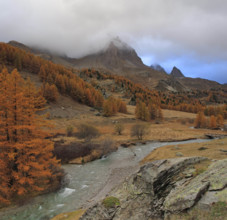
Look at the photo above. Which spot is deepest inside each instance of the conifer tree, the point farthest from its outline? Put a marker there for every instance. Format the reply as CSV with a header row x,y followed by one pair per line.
x,y
141,111
24,151
213,122
220,121
50,92
153,111
200,121
4,138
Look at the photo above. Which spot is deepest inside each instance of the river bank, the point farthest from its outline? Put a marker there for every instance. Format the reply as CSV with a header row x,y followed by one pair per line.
x,y
88,183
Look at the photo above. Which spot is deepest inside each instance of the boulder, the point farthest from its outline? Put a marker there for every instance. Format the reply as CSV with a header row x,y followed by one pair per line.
x,y
142,195
185,196
161,188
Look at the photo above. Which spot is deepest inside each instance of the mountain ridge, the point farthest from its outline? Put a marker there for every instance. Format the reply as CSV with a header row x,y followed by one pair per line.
x,y
118,58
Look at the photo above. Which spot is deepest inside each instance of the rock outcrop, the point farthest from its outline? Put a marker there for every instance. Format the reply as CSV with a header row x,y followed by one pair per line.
x,y
164,187
176,72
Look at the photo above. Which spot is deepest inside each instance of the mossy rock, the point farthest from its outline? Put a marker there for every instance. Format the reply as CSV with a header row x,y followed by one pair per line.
x,y
111,202
70,215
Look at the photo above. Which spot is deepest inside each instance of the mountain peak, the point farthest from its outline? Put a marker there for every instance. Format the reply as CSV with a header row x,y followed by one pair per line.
x,y
158,68
117,43
176,72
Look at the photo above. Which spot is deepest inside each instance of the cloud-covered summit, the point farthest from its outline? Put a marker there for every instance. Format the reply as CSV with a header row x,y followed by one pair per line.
x,y
175,32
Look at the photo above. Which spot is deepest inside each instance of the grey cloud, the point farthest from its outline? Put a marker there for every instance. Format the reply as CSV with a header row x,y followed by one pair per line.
x,y
157,27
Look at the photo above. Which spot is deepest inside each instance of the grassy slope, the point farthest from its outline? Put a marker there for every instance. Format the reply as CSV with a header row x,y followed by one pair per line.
x,y
216,149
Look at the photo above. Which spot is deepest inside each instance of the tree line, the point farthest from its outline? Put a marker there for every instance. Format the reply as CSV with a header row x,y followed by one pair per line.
x,y
56,78
191,101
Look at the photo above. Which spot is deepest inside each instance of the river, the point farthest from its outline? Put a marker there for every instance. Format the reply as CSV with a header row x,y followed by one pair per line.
x,y
88,183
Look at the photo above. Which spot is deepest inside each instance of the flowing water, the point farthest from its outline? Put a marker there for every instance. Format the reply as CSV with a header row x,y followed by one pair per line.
x,y
85,182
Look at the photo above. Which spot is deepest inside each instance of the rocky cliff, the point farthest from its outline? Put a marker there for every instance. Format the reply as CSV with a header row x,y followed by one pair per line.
x,y
163,188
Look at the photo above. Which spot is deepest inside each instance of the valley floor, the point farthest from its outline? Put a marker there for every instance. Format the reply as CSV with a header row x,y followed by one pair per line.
x,y
176,126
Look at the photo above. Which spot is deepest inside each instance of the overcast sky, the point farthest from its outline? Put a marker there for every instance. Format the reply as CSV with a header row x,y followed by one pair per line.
x,y
189,34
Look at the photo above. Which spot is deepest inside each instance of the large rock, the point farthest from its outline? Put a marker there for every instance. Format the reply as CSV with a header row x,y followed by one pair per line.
x,y
142,195
185,196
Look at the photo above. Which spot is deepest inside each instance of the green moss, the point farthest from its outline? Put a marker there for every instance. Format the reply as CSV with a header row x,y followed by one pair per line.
x,y
198,171
70,215
111,202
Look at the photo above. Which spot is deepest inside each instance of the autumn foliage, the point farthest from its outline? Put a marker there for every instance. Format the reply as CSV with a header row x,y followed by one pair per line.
x,y
112,105
141,111
52,75
73,83
212,122
27,165
200,121
50,92
147,113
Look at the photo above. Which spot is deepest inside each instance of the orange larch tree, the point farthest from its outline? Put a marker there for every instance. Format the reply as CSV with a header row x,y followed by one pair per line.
x,y
50,92
220,121
4,138
27,154
200,121
213,122
141,111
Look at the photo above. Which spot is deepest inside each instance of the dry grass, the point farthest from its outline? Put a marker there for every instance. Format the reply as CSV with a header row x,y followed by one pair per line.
x,y
170,129
70,215
212,149
171,114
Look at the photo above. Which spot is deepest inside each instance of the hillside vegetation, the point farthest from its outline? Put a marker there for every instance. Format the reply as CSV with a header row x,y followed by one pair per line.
x,y
74,96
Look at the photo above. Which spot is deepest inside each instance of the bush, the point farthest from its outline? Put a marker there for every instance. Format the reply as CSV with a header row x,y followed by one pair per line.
x,y
106,146
67,152
119,128
87,132
112,105
139,131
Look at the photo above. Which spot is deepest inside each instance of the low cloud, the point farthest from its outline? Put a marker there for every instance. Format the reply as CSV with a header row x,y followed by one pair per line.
x,y
160,29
